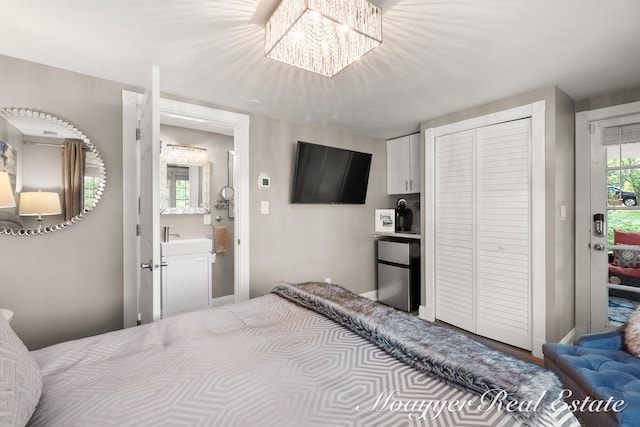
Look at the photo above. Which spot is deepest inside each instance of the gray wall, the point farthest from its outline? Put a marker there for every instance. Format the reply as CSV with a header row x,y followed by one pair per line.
x,y
609,100
559,135
298,242
68,284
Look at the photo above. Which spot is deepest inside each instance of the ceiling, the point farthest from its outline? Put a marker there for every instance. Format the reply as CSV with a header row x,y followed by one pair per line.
x,y
436,57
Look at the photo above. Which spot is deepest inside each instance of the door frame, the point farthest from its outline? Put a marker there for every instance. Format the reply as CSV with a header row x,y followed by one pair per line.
x,y
583,206
194,117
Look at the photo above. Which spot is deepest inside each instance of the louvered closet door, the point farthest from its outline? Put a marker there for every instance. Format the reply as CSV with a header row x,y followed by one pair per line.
x,y
454,201
503,233
482,231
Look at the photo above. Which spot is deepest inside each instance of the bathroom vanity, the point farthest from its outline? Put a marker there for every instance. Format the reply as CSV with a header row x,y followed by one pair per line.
x,y
186,275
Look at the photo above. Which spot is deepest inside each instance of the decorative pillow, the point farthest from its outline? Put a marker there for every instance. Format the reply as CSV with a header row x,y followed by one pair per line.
x,y
20,379
626,238
632,333
628,258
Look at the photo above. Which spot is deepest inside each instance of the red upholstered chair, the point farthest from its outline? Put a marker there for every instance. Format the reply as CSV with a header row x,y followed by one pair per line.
x,y
624,265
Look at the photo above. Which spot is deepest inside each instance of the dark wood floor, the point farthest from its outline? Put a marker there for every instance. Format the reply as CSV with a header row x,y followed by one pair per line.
x,y
514,351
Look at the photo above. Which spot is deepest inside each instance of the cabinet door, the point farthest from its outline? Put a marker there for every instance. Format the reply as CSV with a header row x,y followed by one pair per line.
x,y
398,166
414,163
186,283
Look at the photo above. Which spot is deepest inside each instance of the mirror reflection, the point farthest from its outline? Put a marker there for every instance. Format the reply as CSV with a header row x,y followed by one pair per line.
x,y
55,174
185,180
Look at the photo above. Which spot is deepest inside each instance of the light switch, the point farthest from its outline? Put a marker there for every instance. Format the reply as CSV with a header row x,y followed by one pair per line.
x,y
207,219
264,207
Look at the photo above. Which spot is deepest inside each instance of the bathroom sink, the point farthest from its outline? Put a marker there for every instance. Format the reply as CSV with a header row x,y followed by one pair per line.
x,y
186,247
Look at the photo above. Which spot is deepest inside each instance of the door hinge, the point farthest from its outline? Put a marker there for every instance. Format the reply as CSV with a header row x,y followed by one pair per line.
x,y
137,229
137,134
591,127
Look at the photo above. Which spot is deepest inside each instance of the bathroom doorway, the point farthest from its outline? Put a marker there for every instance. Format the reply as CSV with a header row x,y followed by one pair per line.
x,y
208,121
183,152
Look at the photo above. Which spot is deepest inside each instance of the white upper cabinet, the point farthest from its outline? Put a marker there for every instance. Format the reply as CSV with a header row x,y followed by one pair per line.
x,y
403,164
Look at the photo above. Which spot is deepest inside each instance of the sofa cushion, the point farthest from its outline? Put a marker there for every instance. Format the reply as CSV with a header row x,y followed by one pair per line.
x,y
632,333
627,258
601,373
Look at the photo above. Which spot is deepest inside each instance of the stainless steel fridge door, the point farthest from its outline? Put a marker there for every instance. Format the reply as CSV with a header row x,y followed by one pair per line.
x,y
393,286
396,252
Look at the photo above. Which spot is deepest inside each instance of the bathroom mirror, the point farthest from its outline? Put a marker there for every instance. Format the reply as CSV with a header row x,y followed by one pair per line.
x,y
185,180
57,175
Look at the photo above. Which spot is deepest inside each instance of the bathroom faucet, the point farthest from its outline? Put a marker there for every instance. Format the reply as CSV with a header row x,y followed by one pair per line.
x,y
166,233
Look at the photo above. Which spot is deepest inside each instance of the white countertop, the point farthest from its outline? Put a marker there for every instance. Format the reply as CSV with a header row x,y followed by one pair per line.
x,y
402,235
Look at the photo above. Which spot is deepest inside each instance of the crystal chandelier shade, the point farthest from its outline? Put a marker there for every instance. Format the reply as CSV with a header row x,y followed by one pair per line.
x,y
323,36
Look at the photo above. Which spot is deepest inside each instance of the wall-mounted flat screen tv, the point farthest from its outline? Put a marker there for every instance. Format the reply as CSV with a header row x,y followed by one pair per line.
x,y
330,175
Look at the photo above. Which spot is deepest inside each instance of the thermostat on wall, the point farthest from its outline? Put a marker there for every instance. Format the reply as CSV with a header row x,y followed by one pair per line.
x,y
264,181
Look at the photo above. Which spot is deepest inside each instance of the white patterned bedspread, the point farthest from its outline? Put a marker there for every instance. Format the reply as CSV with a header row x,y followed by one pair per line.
x,y
264,362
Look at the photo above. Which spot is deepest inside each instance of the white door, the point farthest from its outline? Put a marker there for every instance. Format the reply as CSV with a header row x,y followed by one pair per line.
x,y
483,231
503,233
615,216
455,292
150,292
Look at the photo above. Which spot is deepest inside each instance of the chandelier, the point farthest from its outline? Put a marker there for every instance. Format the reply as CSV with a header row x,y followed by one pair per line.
x,y
323,36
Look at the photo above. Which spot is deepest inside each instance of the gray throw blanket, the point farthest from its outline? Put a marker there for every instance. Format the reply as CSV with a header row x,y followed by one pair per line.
x,y
525,389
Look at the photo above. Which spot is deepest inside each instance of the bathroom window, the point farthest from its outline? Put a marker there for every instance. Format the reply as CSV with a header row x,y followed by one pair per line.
x,y
178,181
182,193
91,185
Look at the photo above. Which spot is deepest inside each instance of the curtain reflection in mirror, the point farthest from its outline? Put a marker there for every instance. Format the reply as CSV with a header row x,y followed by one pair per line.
x,y
72,178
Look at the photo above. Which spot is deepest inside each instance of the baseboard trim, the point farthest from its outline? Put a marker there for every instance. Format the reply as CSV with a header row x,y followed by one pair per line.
x,y
422,312
220,301
372,295
569,338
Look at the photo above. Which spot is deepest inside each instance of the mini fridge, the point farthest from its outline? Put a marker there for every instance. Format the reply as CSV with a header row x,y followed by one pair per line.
x,y
399,273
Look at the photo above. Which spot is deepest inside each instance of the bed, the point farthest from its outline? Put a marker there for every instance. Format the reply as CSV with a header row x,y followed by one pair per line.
x,y
295,357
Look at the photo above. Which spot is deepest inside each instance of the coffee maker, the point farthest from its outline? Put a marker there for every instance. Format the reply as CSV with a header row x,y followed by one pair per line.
x,y
404,217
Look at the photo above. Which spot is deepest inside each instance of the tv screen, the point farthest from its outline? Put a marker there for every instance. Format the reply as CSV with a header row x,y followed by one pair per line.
x,y
330,175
